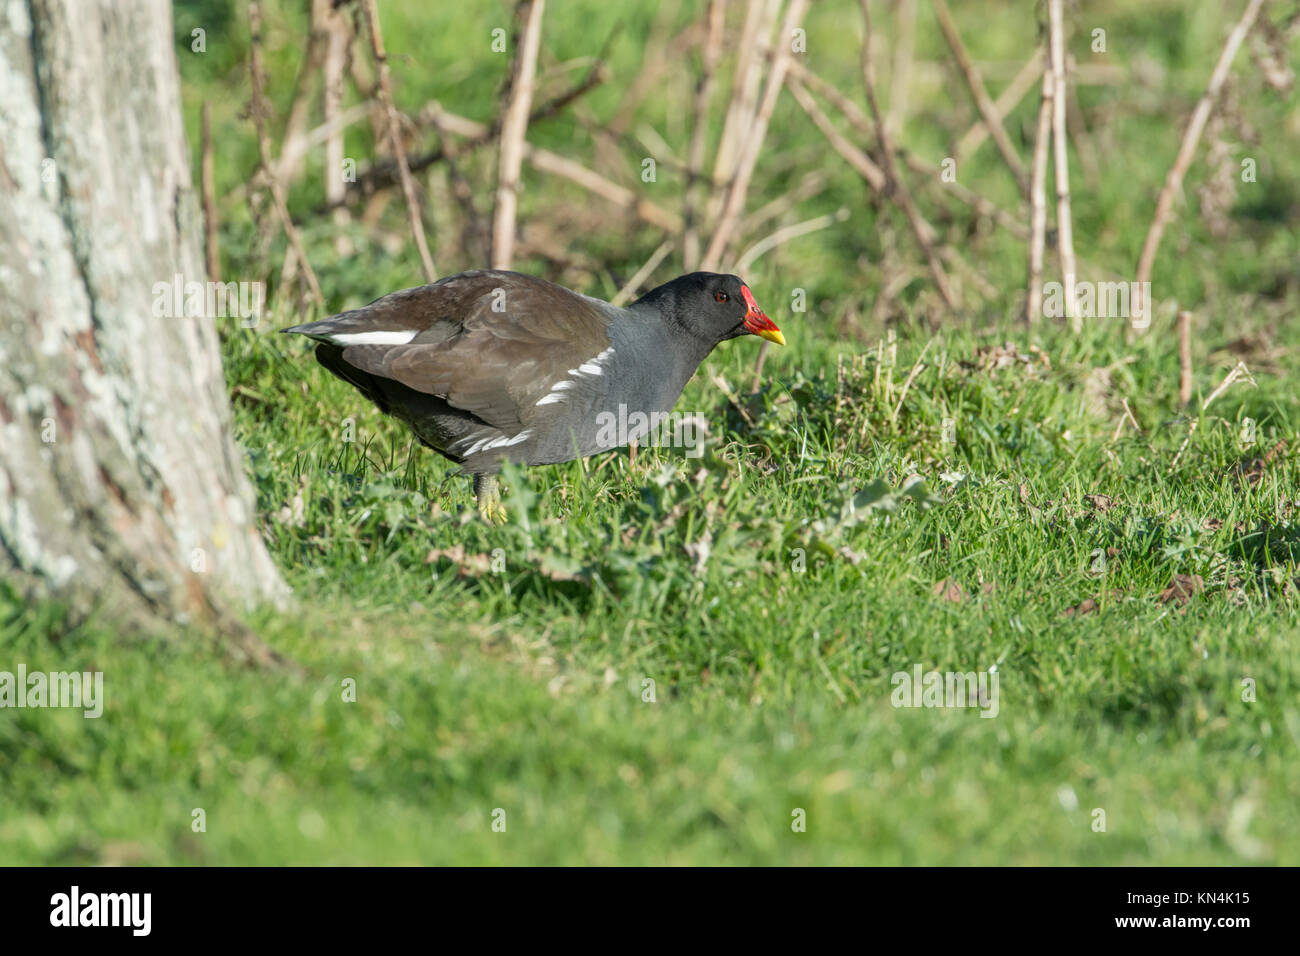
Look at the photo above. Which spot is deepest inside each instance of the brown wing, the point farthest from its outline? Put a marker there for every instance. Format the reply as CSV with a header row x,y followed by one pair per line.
x,y
491,343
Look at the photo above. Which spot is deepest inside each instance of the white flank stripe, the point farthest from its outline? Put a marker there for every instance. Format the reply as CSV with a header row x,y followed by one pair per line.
x,y
371,338
487,444
506,442
586,368
592,367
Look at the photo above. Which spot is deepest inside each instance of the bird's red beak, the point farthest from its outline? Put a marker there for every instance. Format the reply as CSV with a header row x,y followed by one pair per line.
x,y
757,323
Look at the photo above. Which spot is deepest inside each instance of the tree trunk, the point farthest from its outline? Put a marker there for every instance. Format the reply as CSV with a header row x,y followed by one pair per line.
x,y
121,490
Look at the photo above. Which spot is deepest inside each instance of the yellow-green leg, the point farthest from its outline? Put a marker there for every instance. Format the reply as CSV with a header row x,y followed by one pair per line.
x,y
488,494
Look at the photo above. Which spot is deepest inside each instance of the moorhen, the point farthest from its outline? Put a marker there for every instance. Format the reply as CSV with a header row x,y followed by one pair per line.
x,y
490,365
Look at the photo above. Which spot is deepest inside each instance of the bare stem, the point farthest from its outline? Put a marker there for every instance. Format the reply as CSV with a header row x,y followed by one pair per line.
x,y
259,111
1024,81
1038,204
338,39
980,95
1187,150
855,157
801,75
395,139
710,54
921,229
548,162
744,87
1064,228
900,75
786,233
753,142
513,129
629,290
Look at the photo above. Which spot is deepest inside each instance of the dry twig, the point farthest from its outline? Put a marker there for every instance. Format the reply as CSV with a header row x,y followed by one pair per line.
x,y
855,157
381,175
292,149
337,40
810,184
1239,372
801,75
1038,203
744,87
900,74
1007,101
548,162
921,229
629,290
854,113
1187,150
513,129
965,195
753,142
785,234
1064,227
710,54
259,111
395,139
974,83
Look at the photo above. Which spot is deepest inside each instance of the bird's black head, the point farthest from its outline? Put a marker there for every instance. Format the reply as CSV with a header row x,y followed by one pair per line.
x,y
711,307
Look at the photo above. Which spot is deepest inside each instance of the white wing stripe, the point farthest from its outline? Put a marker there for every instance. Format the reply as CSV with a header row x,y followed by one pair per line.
x,y
487,444
586,368
369,338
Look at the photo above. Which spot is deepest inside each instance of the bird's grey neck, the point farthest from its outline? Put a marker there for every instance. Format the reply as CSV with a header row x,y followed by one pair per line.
x,y
658,335
660,306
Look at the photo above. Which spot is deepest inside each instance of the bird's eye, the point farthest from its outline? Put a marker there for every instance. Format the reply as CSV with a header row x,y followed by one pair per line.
x,y
720,297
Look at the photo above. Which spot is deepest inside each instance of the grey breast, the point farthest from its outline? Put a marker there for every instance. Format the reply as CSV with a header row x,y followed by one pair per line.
x,y
632,392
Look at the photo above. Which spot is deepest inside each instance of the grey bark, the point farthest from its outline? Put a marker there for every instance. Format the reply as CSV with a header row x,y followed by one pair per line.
x,y
121,490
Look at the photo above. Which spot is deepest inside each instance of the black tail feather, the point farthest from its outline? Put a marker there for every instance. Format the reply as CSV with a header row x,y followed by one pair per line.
x,y
331,356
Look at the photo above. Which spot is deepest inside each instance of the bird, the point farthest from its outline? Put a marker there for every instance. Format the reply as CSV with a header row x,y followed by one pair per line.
x,y
490,365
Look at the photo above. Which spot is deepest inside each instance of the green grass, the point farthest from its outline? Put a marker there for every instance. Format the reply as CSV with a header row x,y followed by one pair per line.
x,y
523,689
770,588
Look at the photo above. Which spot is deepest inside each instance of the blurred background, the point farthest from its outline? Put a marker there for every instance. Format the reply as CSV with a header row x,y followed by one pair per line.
x,y
618,89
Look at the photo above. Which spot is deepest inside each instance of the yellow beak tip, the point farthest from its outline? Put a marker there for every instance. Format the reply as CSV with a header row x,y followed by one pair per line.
x,y
772,335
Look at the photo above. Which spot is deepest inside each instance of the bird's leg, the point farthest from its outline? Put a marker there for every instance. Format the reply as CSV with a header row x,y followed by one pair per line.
x,y
488,494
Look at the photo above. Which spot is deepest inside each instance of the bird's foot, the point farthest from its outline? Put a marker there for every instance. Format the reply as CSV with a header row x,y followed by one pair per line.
x,y
488,494
493,512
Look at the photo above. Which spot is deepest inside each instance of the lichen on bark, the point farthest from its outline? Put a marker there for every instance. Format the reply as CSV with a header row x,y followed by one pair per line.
x,y
121,489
